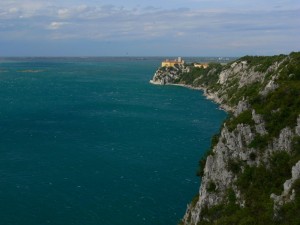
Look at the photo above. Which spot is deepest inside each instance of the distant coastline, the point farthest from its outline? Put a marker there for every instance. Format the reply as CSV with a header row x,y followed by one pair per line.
x,y
159,78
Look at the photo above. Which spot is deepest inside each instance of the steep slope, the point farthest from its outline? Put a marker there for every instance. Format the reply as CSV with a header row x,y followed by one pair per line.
x,y
251,174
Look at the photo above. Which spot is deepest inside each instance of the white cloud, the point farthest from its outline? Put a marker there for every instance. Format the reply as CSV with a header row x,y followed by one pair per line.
x,y
13,10
56,25
202,22
63,13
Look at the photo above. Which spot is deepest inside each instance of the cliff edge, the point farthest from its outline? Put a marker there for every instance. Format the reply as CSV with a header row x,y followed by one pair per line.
x,y
251,174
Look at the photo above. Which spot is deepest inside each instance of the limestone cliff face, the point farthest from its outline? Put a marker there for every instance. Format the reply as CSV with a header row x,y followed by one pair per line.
x,y
249,140
168,75
233,147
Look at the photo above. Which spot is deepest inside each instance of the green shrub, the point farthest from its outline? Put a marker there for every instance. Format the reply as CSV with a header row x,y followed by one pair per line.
x,y
202,76
296,145
211,187
234,165
249,91
289,213
259,142
231,197
262,63
215,140
195,200
244,118
280,108
202,161
252,156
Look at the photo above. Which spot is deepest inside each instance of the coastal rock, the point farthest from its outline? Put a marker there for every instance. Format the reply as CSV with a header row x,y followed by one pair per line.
x,y
271,86
288,193
168,75
231,146
259,123
215,172
250,77
295,175
215,97
236,85
163,77
237,139
235,68
241,70
241,107
284,141
297,128
239,66
224,76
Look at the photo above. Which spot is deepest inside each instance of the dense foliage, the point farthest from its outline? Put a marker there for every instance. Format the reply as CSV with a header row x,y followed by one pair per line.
x,y
262,63
202,76
280,108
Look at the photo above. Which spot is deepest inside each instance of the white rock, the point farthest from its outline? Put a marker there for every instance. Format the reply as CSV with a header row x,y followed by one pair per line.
x,y
241,107
284,141
297,129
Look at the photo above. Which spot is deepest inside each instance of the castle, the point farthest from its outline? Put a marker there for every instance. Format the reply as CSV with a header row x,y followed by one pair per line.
x,y
171,63
201,65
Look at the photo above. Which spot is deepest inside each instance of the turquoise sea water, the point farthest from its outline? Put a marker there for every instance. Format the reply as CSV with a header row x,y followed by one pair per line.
x,y
89,141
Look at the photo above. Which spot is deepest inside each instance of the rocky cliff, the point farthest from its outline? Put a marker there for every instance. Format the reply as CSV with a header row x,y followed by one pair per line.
x,y
251,174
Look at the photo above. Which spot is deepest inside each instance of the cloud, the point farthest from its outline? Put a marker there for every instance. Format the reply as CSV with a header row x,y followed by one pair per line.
x,y
63,13
223,23
56,25
119,22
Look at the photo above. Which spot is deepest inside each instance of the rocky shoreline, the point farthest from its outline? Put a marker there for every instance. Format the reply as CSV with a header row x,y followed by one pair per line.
x,y
209,95
256,91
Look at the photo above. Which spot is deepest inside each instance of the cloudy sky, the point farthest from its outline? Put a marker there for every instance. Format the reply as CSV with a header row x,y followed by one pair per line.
x,y
149,28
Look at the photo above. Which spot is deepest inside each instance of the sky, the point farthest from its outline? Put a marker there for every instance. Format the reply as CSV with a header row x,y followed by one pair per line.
x,y
149,28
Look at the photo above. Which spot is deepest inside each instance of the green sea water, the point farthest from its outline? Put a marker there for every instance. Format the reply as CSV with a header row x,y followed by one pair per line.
x,y
88,141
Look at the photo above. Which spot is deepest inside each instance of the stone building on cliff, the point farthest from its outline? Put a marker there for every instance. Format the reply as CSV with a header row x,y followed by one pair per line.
x,y
172,63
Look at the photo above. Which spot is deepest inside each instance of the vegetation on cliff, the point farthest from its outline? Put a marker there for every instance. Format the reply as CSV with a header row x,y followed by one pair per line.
x,y
201,76
279,108
264,93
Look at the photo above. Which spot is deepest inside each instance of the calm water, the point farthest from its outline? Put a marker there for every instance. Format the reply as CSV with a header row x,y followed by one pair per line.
x,y
90,141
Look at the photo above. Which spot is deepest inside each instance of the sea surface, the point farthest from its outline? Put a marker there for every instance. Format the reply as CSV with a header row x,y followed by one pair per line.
x,y
88,141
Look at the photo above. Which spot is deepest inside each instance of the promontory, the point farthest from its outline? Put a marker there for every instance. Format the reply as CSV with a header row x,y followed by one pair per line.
x,y
251,173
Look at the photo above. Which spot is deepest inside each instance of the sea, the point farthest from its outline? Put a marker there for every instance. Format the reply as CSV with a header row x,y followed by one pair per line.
x,y
88,141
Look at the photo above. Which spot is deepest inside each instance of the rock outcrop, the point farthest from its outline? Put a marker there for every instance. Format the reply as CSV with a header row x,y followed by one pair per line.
x,y
250,89
168,75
